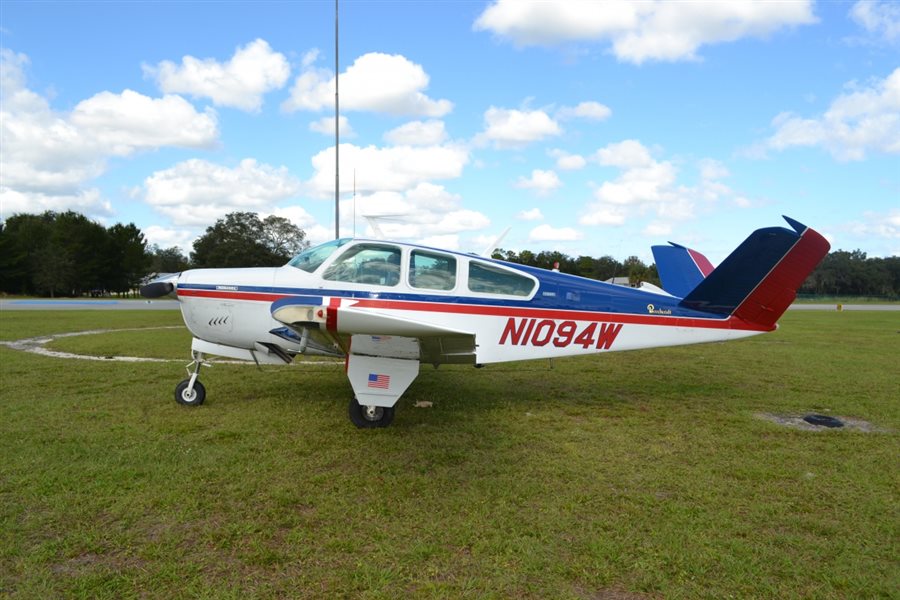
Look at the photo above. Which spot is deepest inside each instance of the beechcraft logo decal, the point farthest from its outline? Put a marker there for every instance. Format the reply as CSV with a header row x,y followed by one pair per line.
x,y
379,380
658,311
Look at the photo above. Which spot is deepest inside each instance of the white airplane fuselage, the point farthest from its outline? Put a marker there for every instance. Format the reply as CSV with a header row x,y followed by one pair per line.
x,y
387,307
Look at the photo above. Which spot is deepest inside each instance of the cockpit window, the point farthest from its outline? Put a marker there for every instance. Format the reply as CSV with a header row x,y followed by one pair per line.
x,y
375,264
432,270
489,279
310,259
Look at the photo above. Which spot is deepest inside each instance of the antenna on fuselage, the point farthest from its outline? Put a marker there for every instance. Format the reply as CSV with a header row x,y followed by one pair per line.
x,y
337,135
354,202
486,253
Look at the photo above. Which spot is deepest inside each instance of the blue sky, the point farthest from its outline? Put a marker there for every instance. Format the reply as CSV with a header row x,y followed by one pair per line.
x,y
589,128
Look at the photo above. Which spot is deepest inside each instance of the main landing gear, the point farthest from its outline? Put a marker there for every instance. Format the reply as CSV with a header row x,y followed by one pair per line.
x,y
369,417
191,392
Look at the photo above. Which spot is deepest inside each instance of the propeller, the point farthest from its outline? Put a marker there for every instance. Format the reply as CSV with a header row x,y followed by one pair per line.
x,y
157,289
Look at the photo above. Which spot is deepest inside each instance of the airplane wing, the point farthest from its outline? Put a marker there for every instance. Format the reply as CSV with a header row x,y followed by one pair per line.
x,y
383,350
437,344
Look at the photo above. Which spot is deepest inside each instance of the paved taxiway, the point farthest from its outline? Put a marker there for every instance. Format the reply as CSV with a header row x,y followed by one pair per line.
x,y
47,304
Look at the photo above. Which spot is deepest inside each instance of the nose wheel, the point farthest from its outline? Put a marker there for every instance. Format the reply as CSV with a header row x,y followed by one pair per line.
x,y
191,392
370,417
190,396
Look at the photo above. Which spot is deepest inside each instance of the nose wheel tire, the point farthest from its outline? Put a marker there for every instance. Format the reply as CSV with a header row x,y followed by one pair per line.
x,y
193,397
370,417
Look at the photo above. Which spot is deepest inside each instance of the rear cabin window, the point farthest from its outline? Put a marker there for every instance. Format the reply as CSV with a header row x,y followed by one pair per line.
x,y
489,279
374,264
432,270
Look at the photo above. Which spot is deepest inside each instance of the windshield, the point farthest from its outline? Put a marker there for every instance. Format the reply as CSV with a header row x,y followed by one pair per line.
x,y
310,259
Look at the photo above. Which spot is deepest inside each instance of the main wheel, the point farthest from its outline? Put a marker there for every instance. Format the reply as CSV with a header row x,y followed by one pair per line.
x,y
193,398
369,417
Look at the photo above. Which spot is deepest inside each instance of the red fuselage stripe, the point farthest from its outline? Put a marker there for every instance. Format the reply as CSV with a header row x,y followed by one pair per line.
x,y
498,311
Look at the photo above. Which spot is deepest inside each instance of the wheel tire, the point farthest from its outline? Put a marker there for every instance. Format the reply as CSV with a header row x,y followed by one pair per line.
x,y
383,417
194,399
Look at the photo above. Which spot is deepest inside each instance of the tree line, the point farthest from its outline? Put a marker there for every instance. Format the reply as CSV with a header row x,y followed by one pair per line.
x,y
67,254
602,268
841,273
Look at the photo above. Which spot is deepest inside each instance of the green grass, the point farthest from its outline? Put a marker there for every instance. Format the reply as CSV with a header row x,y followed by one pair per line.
x,y
642,473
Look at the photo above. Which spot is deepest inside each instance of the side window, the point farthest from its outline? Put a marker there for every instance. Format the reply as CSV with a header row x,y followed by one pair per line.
x,y
432,271
375,264
489,279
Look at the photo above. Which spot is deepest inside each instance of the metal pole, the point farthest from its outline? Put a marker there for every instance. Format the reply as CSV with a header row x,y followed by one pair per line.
x,y
337,136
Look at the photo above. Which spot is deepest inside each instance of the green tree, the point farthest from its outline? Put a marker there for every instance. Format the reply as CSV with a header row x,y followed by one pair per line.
x,y
13,263
241,239
79,246
25,236
282,237
167,260
127,260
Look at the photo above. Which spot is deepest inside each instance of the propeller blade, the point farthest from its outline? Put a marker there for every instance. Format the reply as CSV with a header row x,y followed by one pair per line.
x,y
157,289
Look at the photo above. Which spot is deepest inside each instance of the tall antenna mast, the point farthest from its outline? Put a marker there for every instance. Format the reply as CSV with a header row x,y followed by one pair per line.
x,y
337,136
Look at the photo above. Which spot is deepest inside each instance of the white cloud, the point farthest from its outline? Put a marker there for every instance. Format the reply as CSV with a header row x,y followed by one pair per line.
x,y
89,201
639,185
395,168
542,182
424,212
585,110
879,225
166,237
878,18
325,126
568,162
534,214
511,128
599,213
646,185
386,83
48,156
546,233
713,169
123,123
627,154
418,133
861,120
254,70
309,58
640,31
657,229
295,214
315,233
197,192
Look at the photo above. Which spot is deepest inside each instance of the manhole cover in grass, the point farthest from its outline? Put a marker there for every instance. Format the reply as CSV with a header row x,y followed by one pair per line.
x,y
823,421
817,422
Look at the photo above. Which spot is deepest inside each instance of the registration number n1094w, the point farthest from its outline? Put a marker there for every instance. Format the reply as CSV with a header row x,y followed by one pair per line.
x,y
540,332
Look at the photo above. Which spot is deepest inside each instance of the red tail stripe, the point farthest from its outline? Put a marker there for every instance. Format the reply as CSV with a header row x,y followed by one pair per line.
x,y
775,293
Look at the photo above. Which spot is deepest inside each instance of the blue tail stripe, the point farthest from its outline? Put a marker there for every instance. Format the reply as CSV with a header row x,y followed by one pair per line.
x,y
733,280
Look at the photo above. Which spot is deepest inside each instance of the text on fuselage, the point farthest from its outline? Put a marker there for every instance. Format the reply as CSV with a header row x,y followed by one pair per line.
x,y
540,332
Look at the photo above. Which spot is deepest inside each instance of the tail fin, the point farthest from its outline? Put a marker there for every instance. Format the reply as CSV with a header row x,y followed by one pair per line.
x,y
680,269
759,280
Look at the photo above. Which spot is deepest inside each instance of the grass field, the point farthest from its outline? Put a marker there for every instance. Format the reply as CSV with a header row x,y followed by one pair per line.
x,y
628,475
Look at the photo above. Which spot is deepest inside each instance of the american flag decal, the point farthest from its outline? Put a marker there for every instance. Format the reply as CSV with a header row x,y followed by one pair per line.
x,y
377,380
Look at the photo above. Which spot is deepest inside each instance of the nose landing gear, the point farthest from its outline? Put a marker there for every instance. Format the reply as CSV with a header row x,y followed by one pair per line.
x,y
191,392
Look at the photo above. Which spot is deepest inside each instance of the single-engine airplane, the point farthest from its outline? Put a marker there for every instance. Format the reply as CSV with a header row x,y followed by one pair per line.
x,y
387,307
